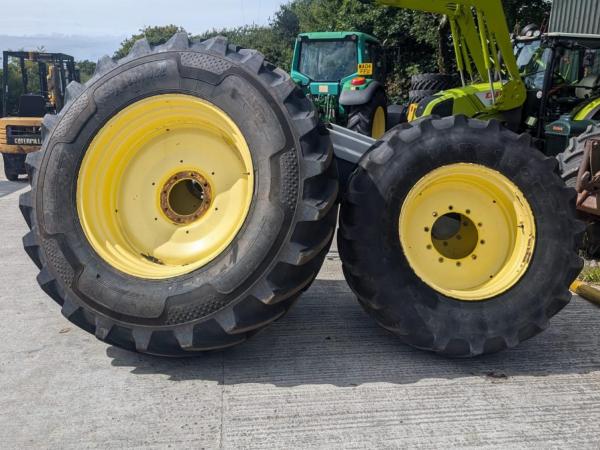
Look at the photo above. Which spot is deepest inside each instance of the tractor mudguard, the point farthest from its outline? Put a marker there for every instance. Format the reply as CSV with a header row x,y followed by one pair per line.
x,y
588,111
360,97
474,100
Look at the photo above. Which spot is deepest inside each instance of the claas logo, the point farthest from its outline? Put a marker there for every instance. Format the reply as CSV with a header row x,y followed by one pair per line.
x,y
489,96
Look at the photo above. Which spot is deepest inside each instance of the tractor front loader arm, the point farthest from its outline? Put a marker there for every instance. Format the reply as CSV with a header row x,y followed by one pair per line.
x,y
480,34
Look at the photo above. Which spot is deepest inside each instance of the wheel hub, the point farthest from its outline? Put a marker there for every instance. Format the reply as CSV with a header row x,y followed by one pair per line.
x,y
454,236
165,186
185,197
467,231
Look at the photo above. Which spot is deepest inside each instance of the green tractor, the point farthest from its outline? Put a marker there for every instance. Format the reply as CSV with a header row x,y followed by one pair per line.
x,y
344,73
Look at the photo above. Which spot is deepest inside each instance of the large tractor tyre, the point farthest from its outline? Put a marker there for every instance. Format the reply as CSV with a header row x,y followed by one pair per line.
x,y
370,119
435,82
183,199
459,237
419,96
569,162
14,165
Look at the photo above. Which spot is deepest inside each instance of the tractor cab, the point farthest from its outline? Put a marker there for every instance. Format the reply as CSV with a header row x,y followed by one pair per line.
x,y
562,80
326,64
526,45
543,82
33,85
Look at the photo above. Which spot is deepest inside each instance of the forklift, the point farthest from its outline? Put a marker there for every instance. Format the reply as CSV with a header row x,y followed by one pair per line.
x,y
23,110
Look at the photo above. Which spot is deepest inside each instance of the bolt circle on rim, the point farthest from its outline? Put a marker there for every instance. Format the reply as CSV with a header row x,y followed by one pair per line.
x,y
467,231
165,186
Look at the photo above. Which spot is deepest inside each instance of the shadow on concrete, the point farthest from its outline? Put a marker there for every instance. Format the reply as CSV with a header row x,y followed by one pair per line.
x,y
8,187
327,339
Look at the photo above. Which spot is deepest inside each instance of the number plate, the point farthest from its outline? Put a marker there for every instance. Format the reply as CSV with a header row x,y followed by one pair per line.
x,y
365,69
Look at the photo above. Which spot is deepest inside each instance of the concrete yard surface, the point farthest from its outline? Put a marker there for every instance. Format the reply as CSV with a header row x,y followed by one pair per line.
x,y
324,376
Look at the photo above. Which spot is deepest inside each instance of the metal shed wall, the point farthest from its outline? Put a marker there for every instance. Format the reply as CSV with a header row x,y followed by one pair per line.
x,y
575,17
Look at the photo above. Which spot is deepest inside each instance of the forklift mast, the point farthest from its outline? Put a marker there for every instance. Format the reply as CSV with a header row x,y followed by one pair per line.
x,y
64,64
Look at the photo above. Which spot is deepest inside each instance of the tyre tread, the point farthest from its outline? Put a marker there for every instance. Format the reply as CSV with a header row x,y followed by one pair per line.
x,y
300,257
367,284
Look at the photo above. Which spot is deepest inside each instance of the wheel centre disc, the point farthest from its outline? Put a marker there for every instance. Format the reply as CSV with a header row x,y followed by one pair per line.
x,y
467,231
165,186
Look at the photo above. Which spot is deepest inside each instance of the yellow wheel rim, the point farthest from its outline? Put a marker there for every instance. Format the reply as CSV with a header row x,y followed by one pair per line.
x,y
467,231
165,186
378,129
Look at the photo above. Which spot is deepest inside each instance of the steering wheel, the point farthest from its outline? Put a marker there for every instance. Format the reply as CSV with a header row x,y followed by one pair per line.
x,y
560,79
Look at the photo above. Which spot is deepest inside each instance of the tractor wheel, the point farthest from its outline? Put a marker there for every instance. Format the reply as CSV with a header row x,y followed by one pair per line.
x,y
370,119
432,82
459,237
419,96
184,198
569,162
14,165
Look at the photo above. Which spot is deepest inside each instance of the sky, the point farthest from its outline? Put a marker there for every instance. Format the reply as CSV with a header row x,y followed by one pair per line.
x,y
89,29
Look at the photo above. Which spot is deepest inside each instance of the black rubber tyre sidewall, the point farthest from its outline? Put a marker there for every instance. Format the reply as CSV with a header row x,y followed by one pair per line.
x,y
224,280
386,285
419,96
432,82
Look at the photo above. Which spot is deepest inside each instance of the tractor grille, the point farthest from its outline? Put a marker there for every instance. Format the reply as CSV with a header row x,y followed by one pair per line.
x,y
23,135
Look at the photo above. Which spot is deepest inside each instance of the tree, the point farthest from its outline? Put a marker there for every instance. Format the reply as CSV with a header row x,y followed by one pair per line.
x,y
420,42
15,84
86,69
520,13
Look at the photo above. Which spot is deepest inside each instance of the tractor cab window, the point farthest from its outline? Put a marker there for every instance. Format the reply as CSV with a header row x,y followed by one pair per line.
x,y
328,60
534,71
525,51
591,62
568,70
